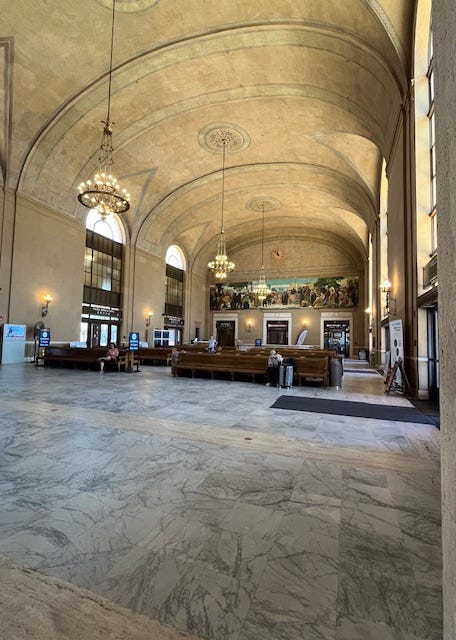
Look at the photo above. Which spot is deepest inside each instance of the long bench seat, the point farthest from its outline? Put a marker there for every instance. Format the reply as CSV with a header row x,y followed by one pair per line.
x,y
232,364
312,367
77,356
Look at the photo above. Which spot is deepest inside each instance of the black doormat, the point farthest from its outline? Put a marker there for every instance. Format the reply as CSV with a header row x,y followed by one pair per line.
x,y
355,409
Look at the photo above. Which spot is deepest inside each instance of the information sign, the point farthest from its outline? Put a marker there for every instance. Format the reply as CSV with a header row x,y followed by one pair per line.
x,y
133,341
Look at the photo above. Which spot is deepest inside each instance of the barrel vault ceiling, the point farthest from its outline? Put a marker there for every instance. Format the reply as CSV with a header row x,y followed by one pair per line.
x,y
307,94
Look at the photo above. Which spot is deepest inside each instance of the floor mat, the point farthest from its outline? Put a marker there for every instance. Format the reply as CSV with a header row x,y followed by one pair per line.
x,y
355,409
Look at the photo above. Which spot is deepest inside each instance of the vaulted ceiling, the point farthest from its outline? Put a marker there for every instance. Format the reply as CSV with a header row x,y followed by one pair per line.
x,y
307,94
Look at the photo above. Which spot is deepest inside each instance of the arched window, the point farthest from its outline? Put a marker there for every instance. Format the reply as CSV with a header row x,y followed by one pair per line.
x,y
108,227
175,257
174,295
101,300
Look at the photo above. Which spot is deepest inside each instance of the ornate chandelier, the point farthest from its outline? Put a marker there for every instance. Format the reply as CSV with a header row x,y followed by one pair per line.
x,y
103,192
221,266
261,289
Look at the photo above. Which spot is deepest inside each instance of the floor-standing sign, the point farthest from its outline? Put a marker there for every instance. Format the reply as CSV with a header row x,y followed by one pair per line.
x,y
13,343
133,346
397,347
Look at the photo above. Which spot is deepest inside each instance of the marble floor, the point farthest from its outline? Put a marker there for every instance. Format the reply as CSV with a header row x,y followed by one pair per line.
x,y
195,503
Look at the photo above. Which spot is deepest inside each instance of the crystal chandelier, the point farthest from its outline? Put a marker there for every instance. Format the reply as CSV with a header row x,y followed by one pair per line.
x,y
221,265
103,192
261,289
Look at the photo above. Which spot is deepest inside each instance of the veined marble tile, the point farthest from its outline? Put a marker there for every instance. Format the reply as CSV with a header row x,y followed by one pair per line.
x,y
257,521
369,518
162,505
381,597
297,588
366,630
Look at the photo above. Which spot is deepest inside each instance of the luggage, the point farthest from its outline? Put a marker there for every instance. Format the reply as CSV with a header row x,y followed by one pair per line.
x,y
281,380
289,373
286,373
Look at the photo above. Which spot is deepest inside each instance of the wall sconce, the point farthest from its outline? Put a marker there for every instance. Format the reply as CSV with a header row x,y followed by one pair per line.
x,y
249,326
148,317
304,325
385,288
45,306
369,313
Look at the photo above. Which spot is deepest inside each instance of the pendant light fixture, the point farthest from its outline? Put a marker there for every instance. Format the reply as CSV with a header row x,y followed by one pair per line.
x,y
221,265
103,191
261,289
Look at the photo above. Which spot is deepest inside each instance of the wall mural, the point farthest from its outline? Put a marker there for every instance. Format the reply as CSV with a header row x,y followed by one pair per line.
x,y
319,293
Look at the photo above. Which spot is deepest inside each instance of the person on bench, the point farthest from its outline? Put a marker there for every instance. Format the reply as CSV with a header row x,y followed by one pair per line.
x,y
111,357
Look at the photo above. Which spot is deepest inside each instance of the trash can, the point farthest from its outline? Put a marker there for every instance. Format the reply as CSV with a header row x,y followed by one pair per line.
x,y
362,354
335,372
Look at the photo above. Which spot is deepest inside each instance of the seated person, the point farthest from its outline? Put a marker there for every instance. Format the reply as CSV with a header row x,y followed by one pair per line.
x,y
211,344
112,356
272,373
174,359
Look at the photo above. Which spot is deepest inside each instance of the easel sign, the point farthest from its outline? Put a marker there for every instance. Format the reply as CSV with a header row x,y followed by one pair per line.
x,y
397,378
397,346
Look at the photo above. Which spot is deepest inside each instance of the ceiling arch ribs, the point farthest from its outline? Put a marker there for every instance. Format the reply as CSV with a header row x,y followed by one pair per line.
x,y
73,115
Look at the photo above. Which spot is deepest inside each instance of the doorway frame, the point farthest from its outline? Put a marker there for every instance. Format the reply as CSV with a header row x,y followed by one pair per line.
x,y
327,316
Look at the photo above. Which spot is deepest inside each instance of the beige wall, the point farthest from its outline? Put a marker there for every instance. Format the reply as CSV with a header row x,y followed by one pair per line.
x,y
48,259
149,293
444,24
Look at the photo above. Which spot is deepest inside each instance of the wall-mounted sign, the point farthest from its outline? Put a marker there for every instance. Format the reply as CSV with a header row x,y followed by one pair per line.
x,y
173,321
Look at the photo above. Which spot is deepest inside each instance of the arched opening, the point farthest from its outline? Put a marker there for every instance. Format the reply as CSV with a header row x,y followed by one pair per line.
x,y
103,266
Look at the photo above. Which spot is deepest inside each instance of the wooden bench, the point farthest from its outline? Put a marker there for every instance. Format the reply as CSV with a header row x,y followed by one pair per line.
x,y
312,367
220,362
78,356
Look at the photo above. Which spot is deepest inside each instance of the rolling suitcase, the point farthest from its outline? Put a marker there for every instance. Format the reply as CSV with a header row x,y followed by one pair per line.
x,y
281,380
289,372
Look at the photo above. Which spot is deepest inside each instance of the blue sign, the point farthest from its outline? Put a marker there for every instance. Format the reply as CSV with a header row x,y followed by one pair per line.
x,y
45,337
258,342
133,341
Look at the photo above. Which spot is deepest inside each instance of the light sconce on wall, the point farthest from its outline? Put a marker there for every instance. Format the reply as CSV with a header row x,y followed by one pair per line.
x,y
249,326
148,317
45,306
369,313
304,324
385,288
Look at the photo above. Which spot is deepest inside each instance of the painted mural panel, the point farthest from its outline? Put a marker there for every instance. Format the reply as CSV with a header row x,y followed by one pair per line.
x,y
337,292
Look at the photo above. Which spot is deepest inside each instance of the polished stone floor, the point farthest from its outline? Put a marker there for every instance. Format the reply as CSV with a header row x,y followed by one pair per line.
x,y
195,503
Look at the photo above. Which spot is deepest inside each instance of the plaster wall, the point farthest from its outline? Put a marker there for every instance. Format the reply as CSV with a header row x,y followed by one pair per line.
x,y
48,259
149,293
307,257
444,25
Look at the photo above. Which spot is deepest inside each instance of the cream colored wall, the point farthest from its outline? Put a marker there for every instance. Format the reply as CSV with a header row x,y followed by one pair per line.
x,y
402,242
48,259
149,293
444,25
302,257
196,306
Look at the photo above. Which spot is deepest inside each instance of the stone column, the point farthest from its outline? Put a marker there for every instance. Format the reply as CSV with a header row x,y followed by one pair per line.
x,y
444,27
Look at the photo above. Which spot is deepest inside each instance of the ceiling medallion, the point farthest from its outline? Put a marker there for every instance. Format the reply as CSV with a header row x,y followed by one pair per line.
x,y
221,135
268,204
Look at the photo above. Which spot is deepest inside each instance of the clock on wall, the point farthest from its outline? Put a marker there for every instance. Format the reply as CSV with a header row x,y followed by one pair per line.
x,y
277,254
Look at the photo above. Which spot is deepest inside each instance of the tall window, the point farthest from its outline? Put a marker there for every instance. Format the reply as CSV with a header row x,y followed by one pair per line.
x,y
174,294
101,306
432,160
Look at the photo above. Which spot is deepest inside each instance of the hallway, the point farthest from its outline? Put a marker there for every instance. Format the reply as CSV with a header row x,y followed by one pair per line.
x,y
195,503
